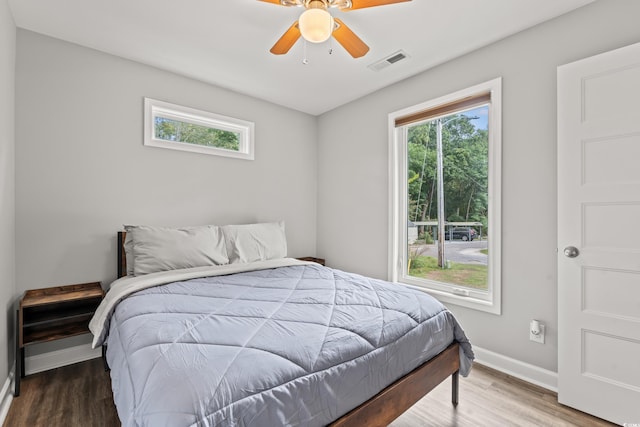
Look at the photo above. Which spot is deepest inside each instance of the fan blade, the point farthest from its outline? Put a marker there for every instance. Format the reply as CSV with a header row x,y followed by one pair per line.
x,y
272,1
349,40
288,39
361,4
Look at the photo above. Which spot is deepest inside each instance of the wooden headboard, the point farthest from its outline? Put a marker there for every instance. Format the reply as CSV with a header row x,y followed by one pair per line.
x,y
122,256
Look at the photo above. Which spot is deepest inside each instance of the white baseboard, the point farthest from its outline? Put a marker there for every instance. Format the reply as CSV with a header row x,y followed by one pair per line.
x,y
58,358
6,396
524,371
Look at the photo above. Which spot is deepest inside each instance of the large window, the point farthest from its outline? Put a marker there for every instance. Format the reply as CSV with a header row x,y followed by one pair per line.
x,y
187,129
445,196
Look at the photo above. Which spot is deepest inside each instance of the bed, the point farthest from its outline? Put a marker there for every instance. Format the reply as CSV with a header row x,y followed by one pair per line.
x,y
265,340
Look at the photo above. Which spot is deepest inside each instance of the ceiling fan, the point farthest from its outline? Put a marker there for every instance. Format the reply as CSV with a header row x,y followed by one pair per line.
x,y
316,24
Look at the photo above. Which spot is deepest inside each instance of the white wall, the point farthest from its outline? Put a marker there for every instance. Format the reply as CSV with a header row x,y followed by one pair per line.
x,y
353,167
7,186
82,170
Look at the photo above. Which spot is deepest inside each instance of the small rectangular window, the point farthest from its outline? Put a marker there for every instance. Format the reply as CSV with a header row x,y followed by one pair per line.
x,y
181,128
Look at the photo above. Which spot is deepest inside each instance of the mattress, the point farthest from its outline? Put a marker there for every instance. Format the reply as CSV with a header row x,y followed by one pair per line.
x,y
291,345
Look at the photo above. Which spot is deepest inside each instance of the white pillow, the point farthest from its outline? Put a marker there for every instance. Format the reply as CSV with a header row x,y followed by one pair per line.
x,y
162,249
255,242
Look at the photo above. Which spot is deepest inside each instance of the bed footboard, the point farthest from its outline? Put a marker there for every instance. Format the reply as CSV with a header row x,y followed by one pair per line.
x,y
390,403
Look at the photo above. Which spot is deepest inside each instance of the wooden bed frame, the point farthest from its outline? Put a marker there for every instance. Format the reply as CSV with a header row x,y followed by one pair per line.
x,y
394,400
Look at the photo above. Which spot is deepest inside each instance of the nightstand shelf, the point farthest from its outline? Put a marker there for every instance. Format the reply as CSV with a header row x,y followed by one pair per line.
x,y
51,314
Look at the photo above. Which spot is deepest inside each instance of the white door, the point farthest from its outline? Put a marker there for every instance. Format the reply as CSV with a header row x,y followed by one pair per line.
x,y
599,215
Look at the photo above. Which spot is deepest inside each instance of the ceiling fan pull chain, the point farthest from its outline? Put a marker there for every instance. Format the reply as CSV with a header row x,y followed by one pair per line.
x,y
305,61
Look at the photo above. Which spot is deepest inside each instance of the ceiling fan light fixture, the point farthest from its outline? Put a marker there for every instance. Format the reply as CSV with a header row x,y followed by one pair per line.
x,y
296,3
316,25
341,4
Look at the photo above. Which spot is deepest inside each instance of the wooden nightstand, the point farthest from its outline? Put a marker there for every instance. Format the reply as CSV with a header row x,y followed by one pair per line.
x,y
313,259
50,314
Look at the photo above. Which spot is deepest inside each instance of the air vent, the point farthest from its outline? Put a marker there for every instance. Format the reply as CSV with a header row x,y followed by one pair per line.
x,y
389,60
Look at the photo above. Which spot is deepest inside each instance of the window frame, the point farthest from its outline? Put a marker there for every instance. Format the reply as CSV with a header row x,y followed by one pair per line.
x,y
488,301
154,108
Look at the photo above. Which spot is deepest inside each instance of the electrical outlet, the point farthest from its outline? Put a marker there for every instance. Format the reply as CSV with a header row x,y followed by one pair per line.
x,y
539,338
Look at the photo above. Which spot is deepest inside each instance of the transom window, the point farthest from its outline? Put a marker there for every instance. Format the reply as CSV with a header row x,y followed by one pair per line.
x,y
182,128
445,196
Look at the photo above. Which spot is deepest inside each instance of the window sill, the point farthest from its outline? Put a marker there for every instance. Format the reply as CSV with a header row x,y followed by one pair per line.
x,y
463,301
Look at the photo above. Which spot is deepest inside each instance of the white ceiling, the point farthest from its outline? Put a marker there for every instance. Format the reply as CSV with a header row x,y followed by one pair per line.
x,y
227,43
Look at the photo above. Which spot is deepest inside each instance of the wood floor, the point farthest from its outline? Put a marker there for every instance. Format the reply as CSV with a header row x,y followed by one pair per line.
x,y
80,395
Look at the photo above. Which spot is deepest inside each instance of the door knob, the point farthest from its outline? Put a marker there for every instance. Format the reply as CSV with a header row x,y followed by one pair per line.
x,y
571,252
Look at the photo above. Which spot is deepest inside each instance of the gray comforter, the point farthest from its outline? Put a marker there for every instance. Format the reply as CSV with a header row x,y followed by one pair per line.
x,y
289,346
